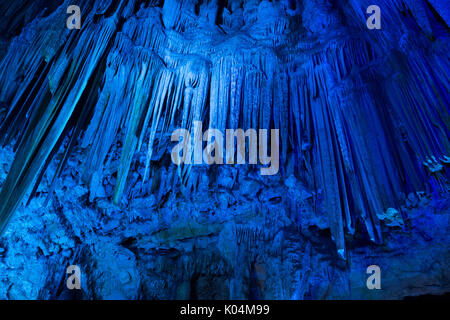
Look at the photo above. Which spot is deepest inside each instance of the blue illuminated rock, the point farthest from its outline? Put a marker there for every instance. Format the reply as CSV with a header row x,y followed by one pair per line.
x,y
86,175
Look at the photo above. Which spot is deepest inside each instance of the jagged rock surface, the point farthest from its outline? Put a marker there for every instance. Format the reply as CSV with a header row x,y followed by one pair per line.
x,y
364,126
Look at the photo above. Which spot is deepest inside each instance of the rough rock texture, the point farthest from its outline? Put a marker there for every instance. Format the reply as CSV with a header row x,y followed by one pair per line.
x,y
87,117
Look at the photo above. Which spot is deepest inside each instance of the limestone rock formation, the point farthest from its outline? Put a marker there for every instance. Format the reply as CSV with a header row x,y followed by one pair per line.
x,y
87,117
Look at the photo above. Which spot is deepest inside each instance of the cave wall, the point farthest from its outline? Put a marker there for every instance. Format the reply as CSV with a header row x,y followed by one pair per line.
x,y
87,118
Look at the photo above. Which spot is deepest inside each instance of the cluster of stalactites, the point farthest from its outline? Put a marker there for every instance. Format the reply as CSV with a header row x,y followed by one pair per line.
x,y
362,124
